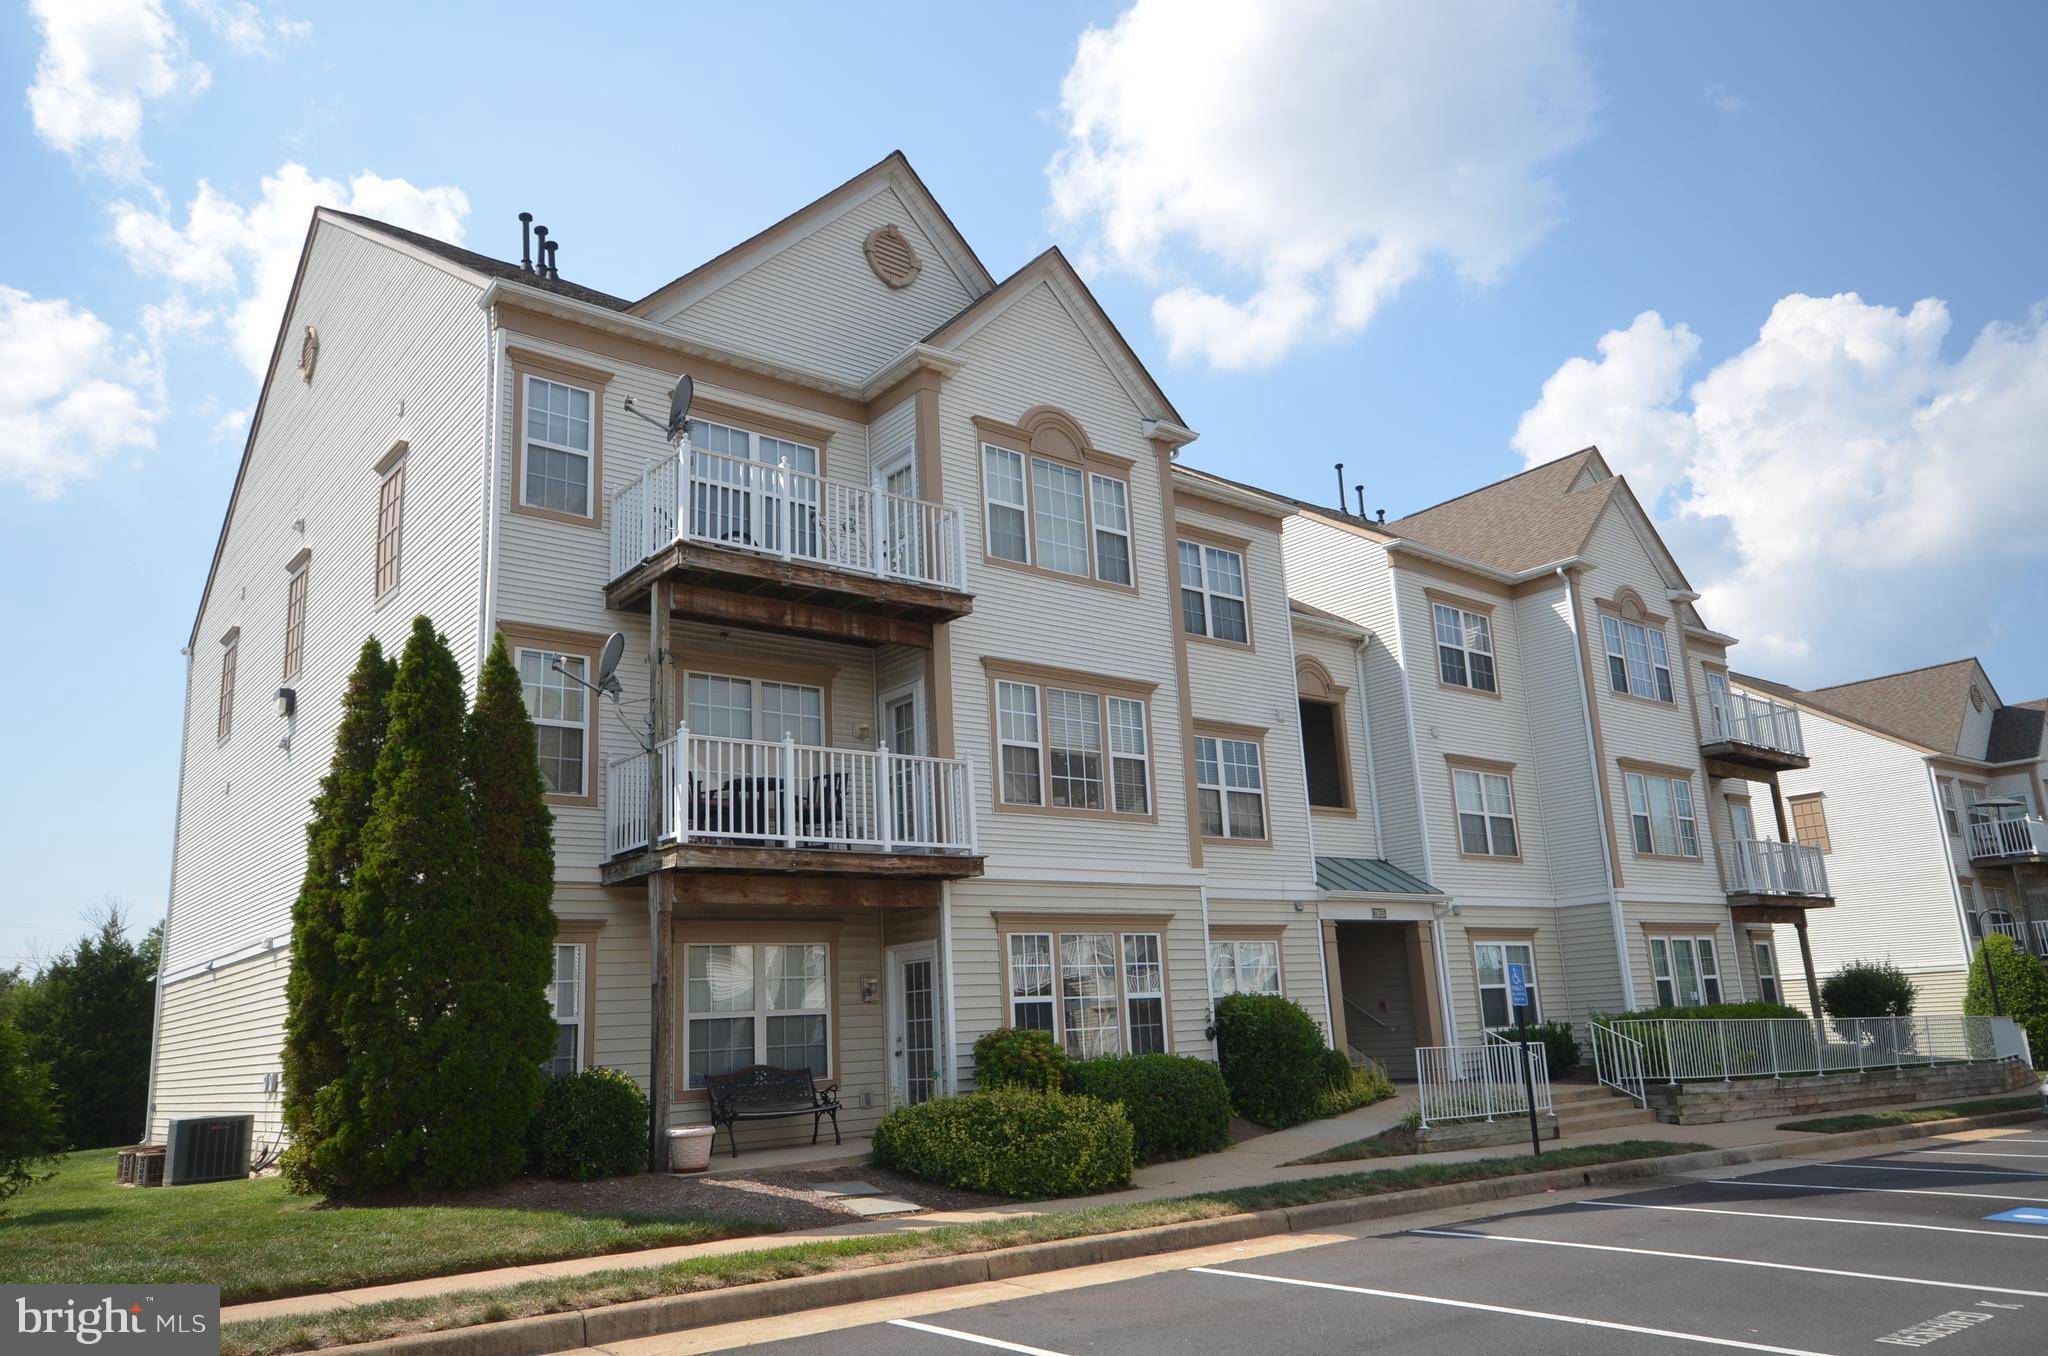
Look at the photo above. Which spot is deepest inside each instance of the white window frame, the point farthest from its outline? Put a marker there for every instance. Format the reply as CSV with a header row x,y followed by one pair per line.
x,y
1642,814
1493,787
1228,964
579,1015
1764,951
390,530
1042,514
583,725
1469,626
588,454
1111,747
1005,739
1054,999
1206,589
1650,678
1137,740
1745,830
1021,505
1224,791
1704,946
1122,504
1028,466
761,1012
1073,769
1483,986
757,716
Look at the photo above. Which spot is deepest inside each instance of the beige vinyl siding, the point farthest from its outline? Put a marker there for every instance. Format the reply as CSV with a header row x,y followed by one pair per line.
x,y
396,334
1033,351
1497,923
222,1031
1341,833
816,305
1694,921
892,432
1343,573
1586,947
1255,686
1550,695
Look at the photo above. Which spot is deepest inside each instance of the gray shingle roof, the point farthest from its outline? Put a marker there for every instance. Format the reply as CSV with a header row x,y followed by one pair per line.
x,y
1367,875
489,267
2016,733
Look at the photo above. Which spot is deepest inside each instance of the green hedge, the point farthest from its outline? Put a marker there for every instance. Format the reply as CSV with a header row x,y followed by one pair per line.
x,y
1010,1142
1178,1106
1561,1053
2022,989
1009,1057
1354,1089
1274,1059
1704,1012
590,1124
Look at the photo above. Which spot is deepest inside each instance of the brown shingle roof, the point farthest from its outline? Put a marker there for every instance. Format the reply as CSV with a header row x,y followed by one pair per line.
x,y
1516,524
1924,705
489,267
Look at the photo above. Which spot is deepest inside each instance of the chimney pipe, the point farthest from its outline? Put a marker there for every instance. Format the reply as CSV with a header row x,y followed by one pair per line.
x,y
552,271
1340,487
540,251
1359,490
1383,515
526,241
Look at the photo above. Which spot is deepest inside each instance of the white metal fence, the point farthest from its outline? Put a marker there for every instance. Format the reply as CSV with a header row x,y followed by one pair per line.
x,y
786,513
1678,1050
2008,838
752,791
1735,717
1618,1062
1479,1082
1756,866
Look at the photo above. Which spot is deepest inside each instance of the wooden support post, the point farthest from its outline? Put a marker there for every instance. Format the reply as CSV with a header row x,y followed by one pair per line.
x,y
1806,959
1333,985
660,900
1784,824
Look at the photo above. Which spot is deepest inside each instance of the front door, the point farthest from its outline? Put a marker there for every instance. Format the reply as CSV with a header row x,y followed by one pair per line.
x,y
914,1021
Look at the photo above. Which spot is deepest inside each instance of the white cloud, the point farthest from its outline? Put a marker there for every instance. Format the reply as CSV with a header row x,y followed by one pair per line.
x,y
247,254
1839,460
231,426
246,29
72,394
1725,99
1321,155
101,62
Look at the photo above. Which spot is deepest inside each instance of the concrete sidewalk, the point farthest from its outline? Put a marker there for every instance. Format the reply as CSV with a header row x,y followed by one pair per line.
x,y
1251,1163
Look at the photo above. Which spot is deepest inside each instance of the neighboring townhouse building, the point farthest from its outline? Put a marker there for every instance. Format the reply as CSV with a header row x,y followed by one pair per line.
x,y
1559,766
947,700
1926,796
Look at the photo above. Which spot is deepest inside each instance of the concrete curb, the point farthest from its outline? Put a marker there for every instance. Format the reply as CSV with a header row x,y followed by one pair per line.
x,y
548,1333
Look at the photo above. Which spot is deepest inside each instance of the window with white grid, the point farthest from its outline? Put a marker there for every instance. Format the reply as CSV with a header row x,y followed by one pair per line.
x,y
558,422
1464,649
1096,992
1249,966
757,1004
1229,788
560,717
1637,662
566,1002
1212,596
1661,814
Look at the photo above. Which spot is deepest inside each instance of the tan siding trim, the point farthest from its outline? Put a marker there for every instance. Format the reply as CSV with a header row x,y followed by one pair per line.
x,y
1183,686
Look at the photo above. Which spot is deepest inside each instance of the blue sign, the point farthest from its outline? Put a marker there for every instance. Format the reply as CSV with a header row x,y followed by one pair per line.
x,y
1518,986
2026,1215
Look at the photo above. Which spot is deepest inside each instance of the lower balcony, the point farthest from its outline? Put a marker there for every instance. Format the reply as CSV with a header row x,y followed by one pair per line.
x,y
2010,842
748,806
1754,869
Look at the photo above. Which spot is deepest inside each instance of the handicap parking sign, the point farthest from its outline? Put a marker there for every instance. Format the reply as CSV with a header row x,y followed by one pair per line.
x,y
1518,985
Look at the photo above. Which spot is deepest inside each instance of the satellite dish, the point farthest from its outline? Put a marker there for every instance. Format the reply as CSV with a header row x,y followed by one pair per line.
x,y
679,405
608,661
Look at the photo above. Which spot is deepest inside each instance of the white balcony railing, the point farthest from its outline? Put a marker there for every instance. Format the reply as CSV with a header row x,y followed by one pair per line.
x,y
2040,927
1754,866
2007,838
701,788
786,514
1735,717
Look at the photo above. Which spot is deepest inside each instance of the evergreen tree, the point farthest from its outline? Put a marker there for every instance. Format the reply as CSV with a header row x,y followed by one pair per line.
x,y
87,1019
2022,989
314,1054
409,921
30,1134
497,1029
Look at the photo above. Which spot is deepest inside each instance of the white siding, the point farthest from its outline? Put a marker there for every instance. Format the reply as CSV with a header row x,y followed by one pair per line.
x,y
222,1032
1551,687
1539,927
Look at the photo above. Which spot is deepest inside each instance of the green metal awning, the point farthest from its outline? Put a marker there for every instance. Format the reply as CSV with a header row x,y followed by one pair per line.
x,y
1367,876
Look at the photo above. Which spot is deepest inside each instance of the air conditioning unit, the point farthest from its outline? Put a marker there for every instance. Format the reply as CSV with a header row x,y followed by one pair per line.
x,y
208,1149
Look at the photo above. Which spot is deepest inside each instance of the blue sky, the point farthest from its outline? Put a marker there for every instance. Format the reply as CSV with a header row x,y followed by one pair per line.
x,y
1419,240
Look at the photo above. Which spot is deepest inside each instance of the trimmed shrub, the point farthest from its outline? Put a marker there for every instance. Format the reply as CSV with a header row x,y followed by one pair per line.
x,y
1356,1088
2022,989
590,1124
1866,989
1561,1053
1009,1057
1178,1106
1274,1059
30,1131
1705,1012
1010,1142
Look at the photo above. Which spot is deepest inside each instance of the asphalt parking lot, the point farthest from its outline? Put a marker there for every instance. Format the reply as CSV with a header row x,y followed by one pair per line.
x,y
1876,1252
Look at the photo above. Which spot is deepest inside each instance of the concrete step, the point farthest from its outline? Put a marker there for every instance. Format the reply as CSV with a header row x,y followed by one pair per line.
x,y
1586,1123
1576,1094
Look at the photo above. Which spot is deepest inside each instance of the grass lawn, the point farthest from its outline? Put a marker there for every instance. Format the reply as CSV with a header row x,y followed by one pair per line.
x,y
1394,1142
267,1337
258,1241
1875,1120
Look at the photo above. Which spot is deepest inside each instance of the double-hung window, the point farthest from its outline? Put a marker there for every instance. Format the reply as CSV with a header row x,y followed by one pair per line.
x,y
1637,662
1464,649
1060,516
1071,749
566,1001
390,525
746,488
1057,515
1766,971
767,1004
1097,993
1687,971
723,707
295,623
1660,810
1002,480
557,456
1230,788
1244,966
1496,994
1486,813
1212,596
561,717
1111,503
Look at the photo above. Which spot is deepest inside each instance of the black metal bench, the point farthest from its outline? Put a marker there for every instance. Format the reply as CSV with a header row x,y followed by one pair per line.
x,y
762,1093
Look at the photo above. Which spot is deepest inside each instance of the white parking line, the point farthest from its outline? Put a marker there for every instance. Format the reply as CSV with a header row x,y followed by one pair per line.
x,y
1900,1167
1977,1153
1824,1219
973,1337
1882,1191
1733,1262
1511,1312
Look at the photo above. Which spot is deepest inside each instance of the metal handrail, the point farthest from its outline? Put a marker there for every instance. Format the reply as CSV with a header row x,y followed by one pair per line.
x,y
1618,1062
1373,1017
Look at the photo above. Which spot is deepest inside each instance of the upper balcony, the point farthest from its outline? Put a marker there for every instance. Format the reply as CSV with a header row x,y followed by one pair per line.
x,y
725,525
2017,841
1765,872
1745,733
752,806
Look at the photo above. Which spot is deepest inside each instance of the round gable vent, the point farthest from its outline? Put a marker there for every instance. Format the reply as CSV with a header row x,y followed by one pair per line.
x,y
309,353
891,257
